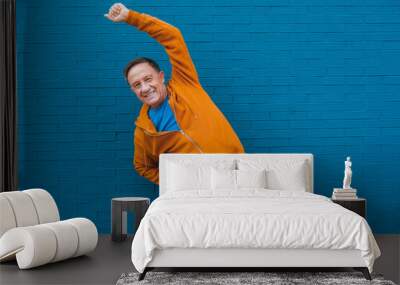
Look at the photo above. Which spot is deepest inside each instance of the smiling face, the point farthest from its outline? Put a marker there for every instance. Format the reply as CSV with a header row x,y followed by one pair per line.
x,y
148,84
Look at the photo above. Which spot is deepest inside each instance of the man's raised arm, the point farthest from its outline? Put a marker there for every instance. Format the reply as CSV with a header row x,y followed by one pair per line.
x,y
168,36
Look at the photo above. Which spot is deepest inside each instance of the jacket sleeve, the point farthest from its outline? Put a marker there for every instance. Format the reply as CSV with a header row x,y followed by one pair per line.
x,y
144,164
183,69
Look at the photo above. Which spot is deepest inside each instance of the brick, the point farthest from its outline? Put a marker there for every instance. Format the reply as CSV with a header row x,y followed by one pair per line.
x,y
310,76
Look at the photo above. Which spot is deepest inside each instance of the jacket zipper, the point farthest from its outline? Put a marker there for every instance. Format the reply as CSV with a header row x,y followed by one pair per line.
x,y
192,141
181,131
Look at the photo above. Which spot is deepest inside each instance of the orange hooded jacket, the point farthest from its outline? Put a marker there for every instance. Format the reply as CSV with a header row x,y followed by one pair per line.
x,y
203,128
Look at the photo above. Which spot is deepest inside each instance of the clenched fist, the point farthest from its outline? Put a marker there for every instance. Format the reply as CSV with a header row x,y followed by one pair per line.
x,y
117,13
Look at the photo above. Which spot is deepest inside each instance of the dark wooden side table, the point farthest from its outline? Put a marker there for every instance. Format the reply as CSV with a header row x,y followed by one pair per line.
x,y
358,205
119,208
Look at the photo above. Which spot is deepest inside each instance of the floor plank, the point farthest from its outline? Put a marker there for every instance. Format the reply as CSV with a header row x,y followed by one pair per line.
x,y
111,259
103,266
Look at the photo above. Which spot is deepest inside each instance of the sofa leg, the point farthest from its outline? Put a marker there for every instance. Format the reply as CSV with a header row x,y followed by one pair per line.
x,y
364,271
143,274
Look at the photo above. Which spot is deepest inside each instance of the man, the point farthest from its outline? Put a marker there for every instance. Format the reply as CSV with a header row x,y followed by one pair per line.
x,y
177,117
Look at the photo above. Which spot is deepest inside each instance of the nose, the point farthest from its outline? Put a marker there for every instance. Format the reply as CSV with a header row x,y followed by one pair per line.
x,y
145,87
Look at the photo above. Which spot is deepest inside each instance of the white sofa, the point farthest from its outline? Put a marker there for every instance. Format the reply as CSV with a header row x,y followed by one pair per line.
x,y
31,231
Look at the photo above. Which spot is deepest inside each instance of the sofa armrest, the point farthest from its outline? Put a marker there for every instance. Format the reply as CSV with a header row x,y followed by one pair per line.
x,y
40,244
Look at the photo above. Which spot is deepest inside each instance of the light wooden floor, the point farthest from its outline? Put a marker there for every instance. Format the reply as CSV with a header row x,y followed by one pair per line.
x,y
110,260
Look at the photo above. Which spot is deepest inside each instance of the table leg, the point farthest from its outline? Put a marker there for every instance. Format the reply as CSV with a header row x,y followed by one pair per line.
x,y
124,228
116,221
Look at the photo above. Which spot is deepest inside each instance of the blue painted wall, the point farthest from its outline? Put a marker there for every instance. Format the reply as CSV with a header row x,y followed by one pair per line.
x,y
291,76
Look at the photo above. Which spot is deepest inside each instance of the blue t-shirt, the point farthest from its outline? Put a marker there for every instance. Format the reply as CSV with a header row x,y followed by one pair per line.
x,y
163,118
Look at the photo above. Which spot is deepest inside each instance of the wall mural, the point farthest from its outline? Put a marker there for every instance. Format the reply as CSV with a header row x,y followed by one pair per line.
x,y
178,116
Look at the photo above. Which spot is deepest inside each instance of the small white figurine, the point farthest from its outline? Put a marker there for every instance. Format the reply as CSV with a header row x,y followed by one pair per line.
x,y
347,174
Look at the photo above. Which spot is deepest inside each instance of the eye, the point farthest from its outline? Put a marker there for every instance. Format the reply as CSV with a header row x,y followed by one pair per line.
x,y
136,85
147,79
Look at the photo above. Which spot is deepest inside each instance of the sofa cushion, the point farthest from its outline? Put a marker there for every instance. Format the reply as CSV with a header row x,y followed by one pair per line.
x,y
40,244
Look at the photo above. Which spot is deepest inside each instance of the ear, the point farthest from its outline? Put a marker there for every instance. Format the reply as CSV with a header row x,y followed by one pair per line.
x,y
161,75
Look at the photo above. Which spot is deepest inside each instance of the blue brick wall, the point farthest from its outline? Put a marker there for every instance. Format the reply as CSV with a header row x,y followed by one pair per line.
x,y
291,76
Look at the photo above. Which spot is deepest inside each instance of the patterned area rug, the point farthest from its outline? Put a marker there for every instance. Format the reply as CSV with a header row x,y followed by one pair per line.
x,y
269,278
